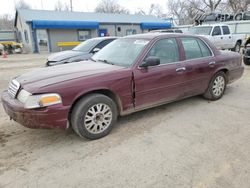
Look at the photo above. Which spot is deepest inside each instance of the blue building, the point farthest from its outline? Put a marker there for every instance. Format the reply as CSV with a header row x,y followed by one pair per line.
x,y
41,30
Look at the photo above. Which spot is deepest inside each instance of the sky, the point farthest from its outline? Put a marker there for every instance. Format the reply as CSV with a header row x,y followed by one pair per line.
x,y
7,6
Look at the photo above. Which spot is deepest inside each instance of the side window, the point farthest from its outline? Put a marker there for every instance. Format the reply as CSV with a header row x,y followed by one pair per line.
x,y
204,49
216,31
191,48
166,50
103,43
195,48
225,30
83,35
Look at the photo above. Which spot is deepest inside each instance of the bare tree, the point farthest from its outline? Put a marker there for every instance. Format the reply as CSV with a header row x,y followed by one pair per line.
x,y
178,9
110,6
59,6
239,5
211,4
22,5
156,10
6,22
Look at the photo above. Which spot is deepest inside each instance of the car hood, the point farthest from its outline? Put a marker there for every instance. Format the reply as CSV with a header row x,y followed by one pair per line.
x,y
59,56
43,77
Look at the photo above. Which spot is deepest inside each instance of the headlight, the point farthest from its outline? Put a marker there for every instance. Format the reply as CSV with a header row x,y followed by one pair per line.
x,y
37,101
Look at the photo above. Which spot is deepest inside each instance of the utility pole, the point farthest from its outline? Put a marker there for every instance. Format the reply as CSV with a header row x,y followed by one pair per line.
x,y
71,7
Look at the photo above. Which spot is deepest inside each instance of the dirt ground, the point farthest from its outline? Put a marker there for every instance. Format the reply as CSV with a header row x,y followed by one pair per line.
x,y
190,143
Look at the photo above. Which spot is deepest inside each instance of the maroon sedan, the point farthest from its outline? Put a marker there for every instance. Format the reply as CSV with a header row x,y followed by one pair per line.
x,y
130,74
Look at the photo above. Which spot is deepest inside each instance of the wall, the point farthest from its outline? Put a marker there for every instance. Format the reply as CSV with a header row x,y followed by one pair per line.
x,y
21,27
113,29
64,35
61,35
7,36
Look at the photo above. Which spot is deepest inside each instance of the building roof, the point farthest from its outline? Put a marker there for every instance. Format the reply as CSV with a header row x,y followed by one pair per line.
x,y
30,15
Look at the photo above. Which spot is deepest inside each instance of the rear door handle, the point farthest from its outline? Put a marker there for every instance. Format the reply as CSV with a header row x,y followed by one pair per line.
x,y
181,69
211,63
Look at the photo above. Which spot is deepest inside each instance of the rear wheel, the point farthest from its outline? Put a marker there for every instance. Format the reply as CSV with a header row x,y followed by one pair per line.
x,y
237,47
216,86
94,116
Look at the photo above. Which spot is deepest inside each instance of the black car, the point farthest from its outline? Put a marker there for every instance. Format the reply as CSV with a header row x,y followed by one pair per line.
x,y
81,52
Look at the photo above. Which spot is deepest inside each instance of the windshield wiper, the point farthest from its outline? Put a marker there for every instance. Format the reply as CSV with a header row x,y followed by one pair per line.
x,y
105,61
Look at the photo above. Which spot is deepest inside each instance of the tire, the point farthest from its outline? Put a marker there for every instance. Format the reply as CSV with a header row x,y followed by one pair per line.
x,y
237,47
216,87
246,61
94,116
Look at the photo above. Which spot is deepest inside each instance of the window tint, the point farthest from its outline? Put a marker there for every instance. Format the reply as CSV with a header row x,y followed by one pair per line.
x,y
166,50
191,48
103,43
204,49
225,30
216,31
195,48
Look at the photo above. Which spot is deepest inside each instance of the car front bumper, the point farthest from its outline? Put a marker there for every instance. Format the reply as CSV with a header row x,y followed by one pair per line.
x,y
50,117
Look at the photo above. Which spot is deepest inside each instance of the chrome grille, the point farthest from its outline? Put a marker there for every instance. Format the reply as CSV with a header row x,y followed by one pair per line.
x,y
13,88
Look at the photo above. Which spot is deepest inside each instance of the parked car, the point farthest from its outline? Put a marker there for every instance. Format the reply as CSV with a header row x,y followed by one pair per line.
x,y
1,49
166,31
246,53
128,75
220,35
81,52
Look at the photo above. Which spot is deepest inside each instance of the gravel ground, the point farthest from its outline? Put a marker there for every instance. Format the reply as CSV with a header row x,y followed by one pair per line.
x,y
190,143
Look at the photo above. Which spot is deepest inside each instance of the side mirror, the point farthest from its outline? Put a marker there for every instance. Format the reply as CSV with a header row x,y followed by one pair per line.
x,y
95,50
150,61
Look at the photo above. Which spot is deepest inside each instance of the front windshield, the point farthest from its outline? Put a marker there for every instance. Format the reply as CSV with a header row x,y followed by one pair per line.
x,y
200,30
86,45
121,52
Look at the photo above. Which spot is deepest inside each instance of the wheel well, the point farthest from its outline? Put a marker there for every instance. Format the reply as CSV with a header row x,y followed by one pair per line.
x,y
225,71
240,41
105,92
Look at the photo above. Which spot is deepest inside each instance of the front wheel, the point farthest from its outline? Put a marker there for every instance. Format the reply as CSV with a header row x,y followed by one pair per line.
x,y
216,86
246,61
94,116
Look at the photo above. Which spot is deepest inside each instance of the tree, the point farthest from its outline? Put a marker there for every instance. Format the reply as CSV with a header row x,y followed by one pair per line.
x,y
59,6
6,22
22,5
178,9
155,10
110,6
239,5
211,4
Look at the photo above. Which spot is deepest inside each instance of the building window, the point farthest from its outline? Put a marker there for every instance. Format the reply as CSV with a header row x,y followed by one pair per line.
x,y
83,35
130,31
26,36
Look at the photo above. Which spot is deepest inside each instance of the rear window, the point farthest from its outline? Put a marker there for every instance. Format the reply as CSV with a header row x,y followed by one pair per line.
x,y
225,30
195,48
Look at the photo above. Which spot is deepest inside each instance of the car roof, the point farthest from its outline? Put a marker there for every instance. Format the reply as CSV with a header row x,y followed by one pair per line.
x,y
104,38
151,36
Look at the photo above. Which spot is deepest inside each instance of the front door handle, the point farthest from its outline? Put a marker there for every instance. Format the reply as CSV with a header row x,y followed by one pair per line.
x,y
181,69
